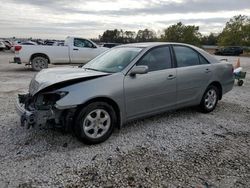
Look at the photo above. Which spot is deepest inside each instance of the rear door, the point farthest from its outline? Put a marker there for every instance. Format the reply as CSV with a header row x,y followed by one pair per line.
x,y
83,51
155,90
193,75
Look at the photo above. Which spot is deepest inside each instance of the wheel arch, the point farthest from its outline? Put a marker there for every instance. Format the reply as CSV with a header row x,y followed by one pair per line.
x,y
219,86
39,55
106,100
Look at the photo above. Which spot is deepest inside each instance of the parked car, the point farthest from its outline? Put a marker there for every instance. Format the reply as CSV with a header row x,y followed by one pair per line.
x,y
8,44
125,83
232,50
75,50
49,42
110,45
28,43
2,45
58,43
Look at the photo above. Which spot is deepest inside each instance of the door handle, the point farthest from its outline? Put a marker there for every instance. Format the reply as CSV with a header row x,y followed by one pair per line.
x,y
171,77
75,49
207,70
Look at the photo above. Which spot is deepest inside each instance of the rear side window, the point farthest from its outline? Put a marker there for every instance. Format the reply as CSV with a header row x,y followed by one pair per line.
x,y
157,59
186,56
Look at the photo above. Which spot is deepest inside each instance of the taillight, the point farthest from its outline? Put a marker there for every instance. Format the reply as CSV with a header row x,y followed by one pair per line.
x,y
18,48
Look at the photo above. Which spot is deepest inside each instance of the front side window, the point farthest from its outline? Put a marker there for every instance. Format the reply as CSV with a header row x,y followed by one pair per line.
x,y
82,43
157,59
114,60
203,60
185,56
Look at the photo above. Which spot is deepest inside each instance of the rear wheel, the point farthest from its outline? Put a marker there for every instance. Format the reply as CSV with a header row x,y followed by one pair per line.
x,y
38,63
209,99
95,123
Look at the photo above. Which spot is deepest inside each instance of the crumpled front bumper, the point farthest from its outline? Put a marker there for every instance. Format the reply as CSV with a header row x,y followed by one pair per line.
x,y
28,118
34,117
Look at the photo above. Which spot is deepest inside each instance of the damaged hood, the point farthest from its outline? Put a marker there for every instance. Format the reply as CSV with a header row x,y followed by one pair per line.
x,y
63,75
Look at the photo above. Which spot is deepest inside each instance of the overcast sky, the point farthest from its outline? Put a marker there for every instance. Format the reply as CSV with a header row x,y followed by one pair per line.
x,y
89,18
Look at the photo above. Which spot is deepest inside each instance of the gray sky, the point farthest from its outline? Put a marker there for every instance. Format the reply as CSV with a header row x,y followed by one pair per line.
x,y
89,18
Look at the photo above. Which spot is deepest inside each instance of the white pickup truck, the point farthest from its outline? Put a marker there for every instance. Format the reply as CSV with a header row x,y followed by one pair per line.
x,y
75,50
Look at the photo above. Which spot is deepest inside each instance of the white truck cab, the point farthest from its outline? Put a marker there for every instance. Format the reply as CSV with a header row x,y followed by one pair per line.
x,y
75,50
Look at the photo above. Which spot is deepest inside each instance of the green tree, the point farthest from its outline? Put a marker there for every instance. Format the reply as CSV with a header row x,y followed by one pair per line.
x,y
236,32
129,37
211,39
181,33
118,36
146,35
112,36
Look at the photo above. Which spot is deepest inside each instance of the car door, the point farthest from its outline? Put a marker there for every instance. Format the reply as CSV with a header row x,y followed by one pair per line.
x,y
155,90
83,51
193,74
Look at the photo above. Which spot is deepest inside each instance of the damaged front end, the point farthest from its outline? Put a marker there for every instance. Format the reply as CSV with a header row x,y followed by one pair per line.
x,y
39,106
40,110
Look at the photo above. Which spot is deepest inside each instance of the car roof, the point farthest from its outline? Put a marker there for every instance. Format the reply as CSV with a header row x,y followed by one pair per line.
x,y
149,45
152,44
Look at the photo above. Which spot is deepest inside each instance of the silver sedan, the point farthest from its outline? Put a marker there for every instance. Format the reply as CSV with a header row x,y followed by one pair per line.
x,y
125,83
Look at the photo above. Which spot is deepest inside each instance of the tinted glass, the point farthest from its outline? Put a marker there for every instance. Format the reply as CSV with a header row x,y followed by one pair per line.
x,y
114,60
81,43
203,60
157,59
186,56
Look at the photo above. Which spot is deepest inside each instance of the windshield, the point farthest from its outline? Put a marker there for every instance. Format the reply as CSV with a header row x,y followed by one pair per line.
x,y
114,60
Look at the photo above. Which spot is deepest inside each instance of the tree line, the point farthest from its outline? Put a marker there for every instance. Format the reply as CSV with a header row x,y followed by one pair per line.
x,y
235,33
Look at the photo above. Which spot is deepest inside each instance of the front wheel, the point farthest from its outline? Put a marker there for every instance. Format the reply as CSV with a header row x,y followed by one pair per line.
x,y
209,99
38,63
95,123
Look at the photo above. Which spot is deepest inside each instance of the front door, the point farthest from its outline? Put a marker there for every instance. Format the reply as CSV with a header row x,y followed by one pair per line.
x,y
155,90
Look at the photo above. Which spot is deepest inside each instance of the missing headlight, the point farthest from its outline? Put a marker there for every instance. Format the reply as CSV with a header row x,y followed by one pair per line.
x,y
46,100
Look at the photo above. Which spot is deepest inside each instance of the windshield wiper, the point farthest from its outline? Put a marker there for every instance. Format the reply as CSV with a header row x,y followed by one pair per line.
x,y
92,69
98,70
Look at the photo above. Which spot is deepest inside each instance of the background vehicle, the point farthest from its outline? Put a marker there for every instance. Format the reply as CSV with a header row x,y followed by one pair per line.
x,y
58,43
233,50
110,45
28,43
123,84
2,45
8,44
75,50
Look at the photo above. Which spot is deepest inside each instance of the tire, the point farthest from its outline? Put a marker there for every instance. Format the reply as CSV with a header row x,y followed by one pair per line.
x,y
95,123
209,99
39,62
240,82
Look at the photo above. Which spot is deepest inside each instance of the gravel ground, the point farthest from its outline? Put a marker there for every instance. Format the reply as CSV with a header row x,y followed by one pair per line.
x,y
182,148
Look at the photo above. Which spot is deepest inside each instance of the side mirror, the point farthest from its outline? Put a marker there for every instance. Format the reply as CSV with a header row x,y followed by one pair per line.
x,y
141,69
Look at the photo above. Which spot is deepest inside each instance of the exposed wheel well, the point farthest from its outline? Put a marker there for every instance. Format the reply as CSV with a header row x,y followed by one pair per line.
x,y
40,55
103,99
218,85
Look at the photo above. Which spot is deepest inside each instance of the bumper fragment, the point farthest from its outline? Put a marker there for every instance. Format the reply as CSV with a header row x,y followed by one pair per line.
x,y
28,118
32,118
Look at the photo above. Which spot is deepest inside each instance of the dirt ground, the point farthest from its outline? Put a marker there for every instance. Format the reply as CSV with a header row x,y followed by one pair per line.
x,y
182,148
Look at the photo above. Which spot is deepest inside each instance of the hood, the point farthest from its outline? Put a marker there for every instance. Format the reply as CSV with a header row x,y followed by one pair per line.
x,y
63,76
